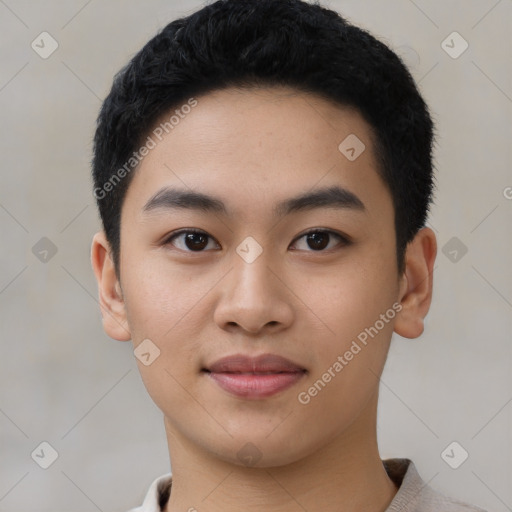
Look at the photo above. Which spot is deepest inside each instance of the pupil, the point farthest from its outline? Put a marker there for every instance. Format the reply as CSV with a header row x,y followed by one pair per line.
x,y
195,241
315,240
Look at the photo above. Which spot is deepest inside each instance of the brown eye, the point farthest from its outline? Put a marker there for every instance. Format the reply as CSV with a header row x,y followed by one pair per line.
x,y
318,240
191,240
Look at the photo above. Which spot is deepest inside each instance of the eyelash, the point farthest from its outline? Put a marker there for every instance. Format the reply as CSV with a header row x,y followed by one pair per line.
x,y
344,241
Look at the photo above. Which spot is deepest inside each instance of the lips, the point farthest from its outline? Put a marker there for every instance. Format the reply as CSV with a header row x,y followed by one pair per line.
x,y
254,377
265,363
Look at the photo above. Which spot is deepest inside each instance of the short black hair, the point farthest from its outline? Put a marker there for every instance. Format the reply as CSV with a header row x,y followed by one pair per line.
x,y
247,43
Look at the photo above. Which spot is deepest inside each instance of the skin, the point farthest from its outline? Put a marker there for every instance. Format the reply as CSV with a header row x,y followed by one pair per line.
x,y
252,149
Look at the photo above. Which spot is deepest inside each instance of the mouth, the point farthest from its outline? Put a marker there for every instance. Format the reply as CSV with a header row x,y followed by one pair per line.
x,y
254,377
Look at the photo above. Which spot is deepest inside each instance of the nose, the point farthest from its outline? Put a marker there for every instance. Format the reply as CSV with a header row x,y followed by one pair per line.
x,y
254,298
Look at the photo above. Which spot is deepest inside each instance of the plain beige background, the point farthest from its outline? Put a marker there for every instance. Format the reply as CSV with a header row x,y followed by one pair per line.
x,y
64,382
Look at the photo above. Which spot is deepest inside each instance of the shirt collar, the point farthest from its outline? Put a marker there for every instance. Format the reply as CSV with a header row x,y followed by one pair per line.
x,y
402,471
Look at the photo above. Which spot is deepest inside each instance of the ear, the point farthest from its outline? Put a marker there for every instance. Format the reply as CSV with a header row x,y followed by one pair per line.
x,y
111,300
416,284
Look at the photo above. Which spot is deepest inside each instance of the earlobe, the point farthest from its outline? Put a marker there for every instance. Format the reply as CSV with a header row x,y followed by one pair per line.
x,y
111,299
417,284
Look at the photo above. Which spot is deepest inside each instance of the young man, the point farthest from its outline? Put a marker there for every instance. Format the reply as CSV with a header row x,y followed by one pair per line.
x,y
263,172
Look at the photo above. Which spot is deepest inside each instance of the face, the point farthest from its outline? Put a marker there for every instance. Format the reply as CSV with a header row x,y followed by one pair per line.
x,y
292,255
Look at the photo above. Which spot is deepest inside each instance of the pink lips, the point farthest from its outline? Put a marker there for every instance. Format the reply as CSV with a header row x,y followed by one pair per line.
x,y
255,377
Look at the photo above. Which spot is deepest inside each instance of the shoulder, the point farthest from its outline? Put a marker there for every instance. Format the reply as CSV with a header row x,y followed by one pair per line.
x,y
435,501
414,495
156,496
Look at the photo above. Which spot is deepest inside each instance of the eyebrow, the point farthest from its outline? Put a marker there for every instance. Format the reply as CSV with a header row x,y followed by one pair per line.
x,y
331,197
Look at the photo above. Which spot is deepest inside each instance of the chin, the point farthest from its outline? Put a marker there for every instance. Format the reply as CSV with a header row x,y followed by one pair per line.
x,y
260,452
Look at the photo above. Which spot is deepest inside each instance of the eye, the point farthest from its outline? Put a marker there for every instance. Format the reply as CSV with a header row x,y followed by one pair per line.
x,y
319,239
194,241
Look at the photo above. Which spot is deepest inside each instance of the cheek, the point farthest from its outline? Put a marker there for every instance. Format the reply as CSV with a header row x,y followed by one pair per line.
x,y
351,298
171,309
357,306
148,304
161,308
158,297
351,358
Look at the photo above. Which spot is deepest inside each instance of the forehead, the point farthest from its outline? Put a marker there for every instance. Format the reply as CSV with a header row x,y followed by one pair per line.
x,y
257,147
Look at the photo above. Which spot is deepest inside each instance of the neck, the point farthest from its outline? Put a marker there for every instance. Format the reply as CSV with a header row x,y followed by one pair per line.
x,y
348,471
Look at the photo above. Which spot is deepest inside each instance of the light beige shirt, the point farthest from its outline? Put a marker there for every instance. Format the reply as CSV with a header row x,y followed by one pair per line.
x,y
413,495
